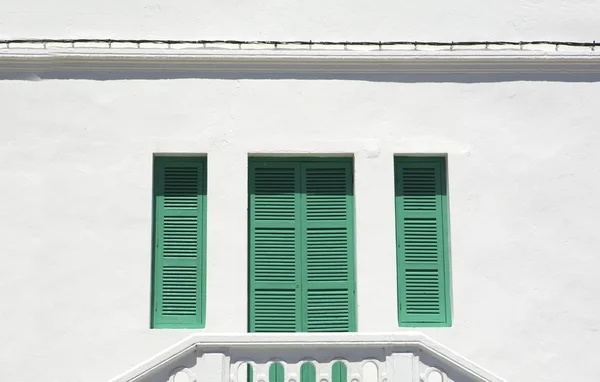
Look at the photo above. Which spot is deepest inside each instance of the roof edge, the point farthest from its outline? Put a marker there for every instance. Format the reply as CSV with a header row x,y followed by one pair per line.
x,y
28,59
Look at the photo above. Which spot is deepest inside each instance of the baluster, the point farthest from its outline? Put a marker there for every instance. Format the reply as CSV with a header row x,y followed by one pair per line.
x,y
261,372
402,367
370,372
240,372
323,371
354,371
292,372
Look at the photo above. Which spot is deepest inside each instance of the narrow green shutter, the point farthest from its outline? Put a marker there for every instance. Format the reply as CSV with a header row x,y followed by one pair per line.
x,y
328,246
179,242
308,372
339,372
422,242
274,247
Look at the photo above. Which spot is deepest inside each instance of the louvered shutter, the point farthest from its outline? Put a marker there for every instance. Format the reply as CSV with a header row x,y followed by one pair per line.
x,y
308,372
274,246
339,372
328,246
276,373
179,242
423,277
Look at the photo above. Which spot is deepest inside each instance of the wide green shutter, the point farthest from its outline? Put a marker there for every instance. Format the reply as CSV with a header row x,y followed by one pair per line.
x,y
301,245
179,242
328,246
274,247
422,242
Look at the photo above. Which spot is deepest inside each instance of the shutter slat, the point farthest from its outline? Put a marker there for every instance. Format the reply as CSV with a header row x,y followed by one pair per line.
x,y
422,253
179,185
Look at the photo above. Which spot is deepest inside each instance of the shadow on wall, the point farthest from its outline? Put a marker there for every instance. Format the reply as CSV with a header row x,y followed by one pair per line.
x,y
241,75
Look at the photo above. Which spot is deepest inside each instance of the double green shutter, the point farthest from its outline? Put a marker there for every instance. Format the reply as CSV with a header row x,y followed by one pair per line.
x,y
178,296
422,242
301,245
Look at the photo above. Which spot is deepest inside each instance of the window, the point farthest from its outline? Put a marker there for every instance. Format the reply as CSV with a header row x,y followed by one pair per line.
x,y
301,245
422,242
179,248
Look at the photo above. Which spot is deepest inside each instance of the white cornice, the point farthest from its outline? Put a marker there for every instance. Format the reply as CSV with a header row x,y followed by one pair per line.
x,y
21,60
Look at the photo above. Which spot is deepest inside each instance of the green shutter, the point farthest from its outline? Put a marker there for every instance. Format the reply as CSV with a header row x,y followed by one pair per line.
x,y
179,242
328,246
422,242
339,372
276,373
308,372
301,246
274,247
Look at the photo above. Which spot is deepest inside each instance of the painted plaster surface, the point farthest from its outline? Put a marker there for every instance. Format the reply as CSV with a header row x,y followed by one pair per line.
x,y
312,19
75,222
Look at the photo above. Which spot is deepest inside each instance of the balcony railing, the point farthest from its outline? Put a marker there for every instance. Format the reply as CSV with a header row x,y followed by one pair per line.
x,y
308,357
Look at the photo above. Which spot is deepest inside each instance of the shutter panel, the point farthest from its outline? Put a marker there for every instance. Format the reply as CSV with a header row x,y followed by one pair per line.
x,y
180,197
276,373
422,242
328,246
308,372
274,247
339,372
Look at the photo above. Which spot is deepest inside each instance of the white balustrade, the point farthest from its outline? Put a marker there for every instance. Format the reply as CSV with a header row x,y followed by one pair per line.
x,y
410,357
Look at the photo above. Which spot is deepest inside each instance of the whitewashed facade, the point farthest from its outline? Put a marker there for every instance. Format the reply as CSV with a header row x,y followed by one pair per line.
x,y
81,121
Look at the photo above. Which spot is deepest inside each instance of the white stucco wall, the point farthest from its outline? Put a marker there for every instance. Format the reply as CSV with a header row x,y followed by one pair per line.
x,y
311,19
75,222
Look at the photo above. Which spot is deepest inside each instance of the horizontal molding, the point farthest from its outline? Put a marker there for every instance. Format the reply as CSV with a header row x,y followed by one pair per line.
x,y
306,61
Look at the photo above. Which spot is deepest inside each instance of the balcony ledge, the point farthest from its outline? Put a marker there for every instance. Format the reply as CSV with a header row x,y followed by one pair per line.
x,y
239,348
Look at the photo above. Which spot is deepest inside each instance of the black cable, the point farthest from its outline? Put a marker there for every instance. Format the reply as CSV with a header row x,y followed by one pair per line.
x,y
309,43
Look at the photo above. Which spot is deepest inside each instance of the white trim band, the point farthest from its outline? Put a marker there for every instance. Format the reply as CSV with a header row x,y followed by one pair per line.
x,y
297,61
